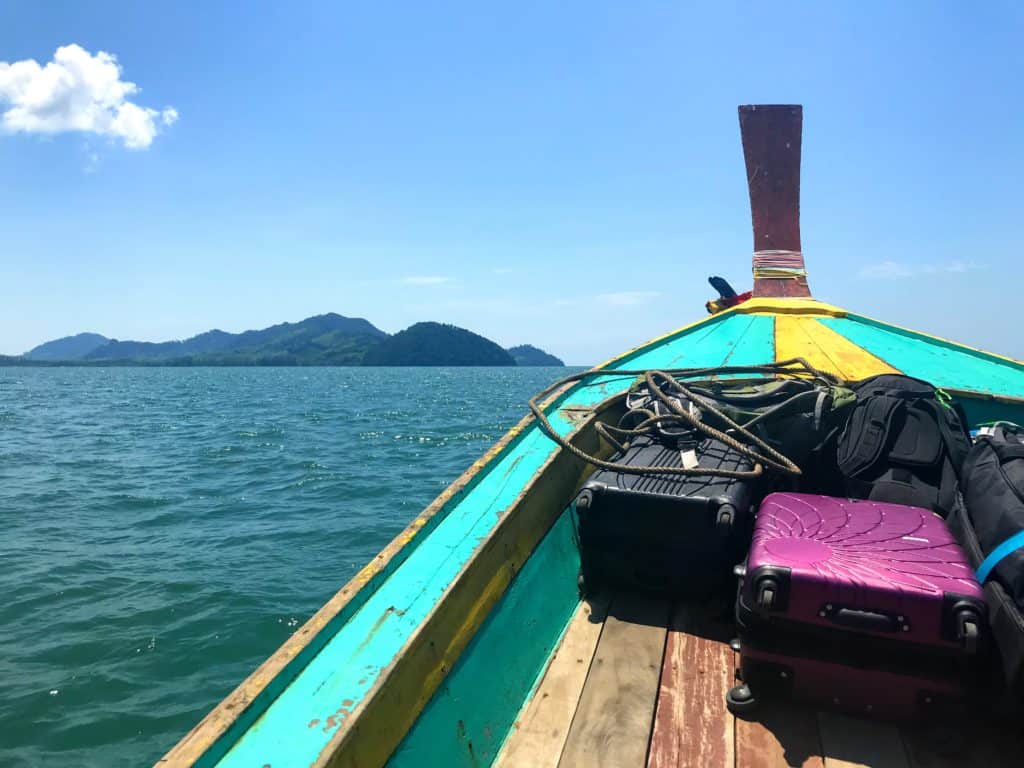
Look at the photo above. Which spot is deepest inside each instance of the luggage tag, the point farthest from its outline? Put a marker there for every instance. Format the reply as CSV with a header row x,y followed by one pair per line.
x,y
688,453
687,443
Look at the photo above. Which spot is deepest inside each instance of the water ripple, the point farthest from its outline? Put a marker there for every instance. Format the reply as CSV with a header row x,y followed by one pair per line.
x,y
166,529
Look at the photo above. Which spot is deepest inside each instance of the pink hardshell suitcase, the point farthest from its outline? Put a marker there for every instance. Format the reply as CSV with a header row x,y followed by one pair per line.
x,y
866,605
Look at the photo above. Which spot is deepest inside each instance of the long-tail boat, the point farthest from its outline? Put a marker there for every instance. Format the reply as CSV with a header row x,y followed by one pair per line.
x,y
466,641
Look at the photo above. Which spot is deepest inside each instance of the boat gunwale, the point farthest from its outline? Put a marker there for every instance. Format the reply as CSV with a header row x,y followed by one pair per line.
x,y
332,753
194,745
216,724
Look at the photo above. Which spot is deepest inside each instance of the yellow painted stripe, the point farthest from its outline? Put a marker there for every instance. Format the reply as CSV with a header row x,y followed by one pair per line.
x,y
760,306
780,306
805,337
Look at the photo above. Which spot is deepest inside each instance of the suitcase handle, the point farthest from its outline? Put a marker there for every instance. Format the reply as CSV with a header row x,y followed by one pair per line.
x,y
872,621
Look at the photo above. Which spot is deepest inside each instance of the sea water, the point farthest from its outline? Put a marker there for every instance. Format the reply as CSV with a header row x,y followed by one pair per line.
x,y
164,530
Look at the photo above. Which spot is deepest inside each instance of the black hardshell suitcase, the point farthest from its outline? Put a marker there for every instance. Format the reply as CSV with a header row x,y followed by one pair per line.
x,y
665,533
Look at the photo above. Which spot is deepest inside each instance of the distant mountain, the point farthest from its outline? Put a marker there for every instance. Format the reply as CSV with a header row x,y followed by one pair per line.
x,y
69,348
437,344
321,340
527,354
329,339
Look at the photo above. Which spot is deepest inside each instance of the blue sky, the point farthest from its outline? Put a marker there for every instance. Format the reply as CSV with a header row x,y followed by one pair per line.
x,y
561,174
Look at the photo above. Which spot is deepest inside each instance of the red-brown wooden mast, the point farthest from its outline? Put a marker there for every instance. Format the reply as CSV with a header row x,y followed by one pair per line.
x,y
771,147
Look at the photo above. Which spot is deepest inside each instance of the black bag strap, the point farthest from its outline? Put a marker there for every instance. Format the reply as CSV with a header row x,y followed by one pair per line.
x,y
957,441
948,490
862,450
1006,451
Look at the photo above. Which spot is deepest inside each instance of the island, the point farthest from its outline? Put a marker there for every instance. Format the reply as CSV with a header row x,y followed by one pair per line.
x,y
328,339
437,344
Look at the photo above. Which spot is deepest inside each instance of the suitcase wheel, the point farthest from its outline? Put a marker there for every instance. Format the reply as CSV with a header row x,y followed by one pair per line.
x,y
767,591
968,632
740,700
725,519
584,499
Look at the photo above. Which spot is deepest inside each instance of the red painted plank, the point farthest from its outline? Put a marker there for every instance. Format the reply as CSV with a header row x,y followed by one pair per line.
x,y
691,724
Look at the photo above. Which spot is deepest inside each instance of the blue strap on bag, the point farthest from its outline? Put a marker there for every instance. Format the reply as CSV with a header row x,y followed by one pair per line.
x,y
1009,546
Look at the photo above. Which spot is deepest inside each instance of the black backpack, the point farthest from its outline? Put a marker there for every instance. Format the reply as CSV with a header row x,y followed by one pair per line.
x,y
904,442
990,527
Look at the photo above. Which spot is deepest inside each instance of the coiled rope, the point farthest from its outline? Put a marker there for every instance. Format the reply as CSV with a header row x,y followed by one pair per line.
x,y
767,456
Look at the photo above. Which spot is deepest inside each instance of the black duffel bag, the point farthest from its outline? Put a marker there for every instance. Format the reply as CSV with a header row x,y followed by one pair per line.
x,y
990,527
905,442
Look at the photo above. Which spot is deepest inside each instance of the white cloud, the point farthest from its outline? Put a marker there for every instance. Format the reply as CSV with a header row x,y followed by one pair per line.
x,y
959,266
627,298
886,270
426,280
77,91
896,270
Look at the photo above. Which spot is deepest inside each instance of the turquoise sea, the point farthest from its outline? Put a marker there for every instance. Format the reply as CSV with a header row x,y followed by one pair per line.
x,y
163,530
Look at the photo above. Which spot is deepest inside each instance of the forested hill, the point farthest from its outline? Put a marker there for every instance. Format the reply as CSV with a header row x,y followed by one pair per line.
x,y
68,348
329,339
437,344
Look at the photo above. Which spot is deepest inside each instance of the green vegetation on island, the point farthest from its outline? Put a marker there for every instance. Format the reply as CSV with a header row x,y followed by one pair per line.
x,y
527,354
321,340
69,348
437,344
329,339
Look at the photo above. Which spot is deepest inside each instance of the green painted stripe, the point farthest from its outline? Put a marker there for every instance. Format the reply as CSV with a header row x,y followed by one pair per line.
x,y
466,721
348,665
942,363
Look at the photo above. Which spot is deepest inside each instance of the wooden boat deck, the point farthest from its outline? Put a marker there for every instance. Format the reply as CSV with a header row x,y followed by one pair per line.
x,y
637,681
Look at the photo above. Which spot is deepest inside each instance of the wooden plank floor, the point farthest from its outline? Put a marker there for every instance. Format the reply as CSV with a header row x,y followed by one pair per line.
x,y
612,724
638,682
539,734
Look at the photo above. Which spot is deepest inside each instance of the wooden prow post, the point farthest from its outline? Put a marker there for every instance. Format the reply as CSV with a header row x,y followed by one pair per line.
x,y
771,147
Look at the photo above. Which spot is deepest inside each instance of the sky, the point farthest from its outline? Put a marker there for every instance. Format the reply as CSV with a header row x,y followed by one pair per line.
x,y
561,174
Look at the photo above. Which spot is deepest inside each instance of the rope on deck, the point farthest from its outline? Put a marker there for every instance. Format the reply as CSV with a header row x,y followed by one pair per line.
x,y
754,448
